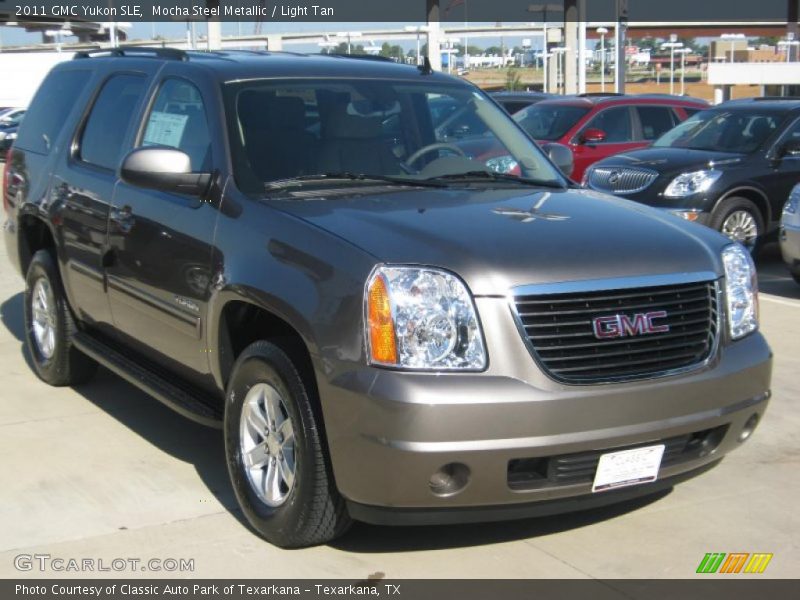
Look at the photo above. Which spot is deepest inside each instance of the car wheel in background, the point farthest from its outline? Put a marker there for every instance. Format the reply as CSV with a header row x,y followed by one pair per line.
x,y
275,452
49,326
740,220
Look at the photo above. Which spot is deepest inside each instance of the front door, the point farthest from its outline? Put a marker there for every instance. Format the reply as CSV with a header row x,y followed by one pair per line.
x,y
159,270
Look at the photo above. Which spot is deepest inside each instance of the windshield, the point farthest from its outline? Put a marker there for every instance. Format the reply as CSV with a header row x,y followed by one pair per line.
x,y
549,121
408,132
720,130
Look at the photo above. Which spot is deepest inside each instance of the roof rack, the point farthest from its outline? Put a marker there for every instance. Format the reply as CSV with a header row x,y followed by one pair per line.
x,y
597,94
360,56
135,51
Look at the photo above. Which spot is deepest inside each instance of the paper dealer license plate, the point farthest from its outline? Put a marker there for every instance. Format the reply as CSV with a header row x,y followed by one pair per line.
x,y
627,467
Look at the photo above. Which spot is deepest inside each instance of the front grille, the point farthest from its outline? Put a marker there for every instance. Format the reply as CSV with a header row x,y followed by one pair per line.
x,y
621,180
580,467
560,331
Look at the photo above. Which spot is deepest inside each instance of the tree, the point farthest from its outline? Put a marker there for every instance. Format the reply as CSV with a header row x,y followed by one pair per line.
x,y
391,51
354,49
767,40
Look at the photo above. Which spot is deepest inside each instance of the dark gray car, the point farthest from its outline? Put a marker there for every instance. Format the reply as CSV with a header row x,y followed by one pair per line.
x,y
386,329
789,234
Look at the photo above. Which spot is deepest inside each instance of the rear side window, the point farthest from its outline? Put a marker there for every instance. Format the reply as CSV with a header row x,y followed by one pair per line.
x,y
48,112
655,121
104,133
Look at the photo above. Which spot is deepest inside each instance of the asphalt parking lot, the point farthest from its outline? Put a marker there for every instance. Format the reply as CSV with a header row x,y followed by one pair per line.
x,y
103,472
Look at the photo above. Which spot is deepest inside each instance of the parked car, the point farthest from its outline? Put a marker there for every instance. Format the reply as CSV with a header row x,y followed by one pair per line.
x,y
386,330
9,123
730,167
790,233
595,126
514,102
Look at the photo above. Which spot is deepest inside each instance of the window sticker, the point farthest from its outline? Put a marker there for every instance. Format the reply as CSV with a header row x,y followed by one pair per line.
x,y
165,129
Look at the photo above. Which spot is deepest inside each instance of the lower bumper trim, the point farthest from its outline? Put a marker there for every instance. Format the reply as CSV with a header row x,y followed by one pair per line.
x,y
384,515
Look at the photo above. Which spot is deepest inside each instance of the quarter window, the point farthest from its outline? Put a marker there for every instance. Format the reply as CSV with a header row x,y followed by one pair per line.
x,y
178,120
50,108
104,134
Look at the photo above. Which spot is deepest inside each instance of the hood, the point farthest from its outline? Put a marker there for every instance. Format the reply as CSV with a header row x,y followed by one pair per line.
x,y
670,160
496,239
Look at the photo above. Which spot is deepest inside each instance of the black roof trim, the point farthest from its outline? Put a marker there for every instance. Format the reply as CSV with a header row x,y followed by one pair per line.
x,y
135,51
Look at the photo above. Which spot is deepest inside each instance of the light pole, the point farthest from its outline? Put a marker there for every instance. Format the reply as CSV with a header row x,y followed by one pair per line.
x,y
788,43
683,52
602,31
559,52
348,35
418,29
733,37
673,45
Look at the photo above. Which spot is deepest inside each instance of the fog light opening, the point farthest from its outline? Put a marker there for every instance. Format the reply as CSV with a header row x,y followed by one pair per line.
x,y
749,427
450,479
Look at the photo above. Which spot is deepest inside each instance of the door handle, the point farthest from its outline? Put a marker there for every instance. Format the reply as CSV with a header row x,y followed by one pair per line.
x,y
122,218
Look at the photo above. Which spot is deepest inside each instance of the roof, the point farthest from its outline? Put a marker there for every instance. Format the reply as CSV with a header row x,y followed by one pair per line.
x,y
769,104
601,99
243,64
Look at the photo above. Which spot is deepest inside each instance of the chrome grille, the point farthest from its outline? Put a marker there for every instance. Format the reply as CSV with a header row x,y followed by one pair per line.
x,y
559,329
621,180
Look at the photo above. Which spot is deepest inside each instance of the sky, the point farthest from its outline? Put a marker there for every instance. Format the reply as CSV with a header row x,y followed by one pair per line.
x,y
14,35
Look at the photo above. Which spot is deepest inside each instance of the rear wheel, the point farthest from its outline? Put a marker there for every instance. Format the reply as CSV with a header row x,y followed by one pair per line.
x,y
275,452
49,326
741,221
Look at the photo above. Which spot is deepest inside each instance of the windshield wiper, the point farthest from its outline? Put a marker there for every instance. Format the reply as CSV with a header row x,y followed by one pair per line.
x,y
291,182
494,176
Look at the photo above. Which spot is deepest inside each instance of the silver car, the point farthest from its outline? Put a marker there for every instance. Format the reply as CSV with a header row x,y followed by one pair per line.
x,y
790,233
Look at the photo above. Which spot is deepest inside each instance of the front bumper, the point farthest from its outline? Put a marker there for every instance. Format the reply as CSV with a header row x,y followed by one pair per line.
x,y
389,432
789,239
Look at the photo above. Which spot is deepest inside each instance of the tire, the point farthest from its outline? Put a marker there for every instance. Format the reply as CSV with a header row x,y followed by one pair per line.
x,y
55,360
309,510
725,217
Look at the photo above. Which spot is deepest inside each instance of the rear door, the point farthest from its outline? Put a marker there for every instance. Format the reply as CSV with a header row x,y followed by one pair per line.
x,y
83,186
160,243
617,123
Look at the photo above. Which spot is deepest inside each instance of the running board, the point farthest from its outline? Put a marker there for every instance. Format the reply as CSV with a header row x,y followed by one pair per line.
x,y
178,399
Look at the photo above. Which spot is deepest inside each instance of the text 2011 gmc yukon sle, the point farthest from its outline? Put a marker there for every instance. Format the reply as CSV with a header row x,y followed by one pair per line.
x,y
386,328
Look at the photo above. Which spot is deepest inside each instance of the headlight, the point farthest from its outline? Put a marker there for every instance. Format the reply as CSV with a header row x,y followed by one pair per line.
x,y
12,136
741,291
2,135
422,318
793,205
691,214
502,164
687,184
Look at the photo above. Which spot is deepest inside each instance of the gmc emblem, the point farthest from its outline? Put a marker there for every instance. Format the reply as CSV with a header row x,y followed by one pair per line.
x,y
617,326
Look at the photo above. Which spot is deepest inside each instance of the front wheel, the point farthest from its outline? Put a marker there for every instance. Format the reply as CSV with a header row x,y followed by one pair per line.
x,y
275,452
741,221
49,326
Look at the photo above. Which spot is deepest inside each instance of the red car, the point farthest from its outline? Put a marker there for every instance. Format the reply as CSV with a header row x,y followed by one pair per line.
x,y
595,126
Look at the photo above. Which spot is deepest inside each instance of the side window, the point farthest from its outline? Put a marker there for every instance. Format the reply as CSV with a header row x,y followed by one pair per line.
x,y
178,120
792,134
690,111
48,112
104,133
616,123
655,120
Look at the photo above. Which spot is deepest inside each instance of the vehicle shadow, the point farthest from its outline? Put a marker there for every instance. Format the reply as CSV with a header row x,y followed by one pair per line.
x,y
373,539
204,448
773,276
171,433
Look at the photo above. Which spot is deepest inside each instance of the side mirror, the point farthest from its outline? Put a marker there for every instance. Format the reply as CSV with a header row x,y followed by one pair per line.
x,y
789,148
561,157
593,136
164,169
